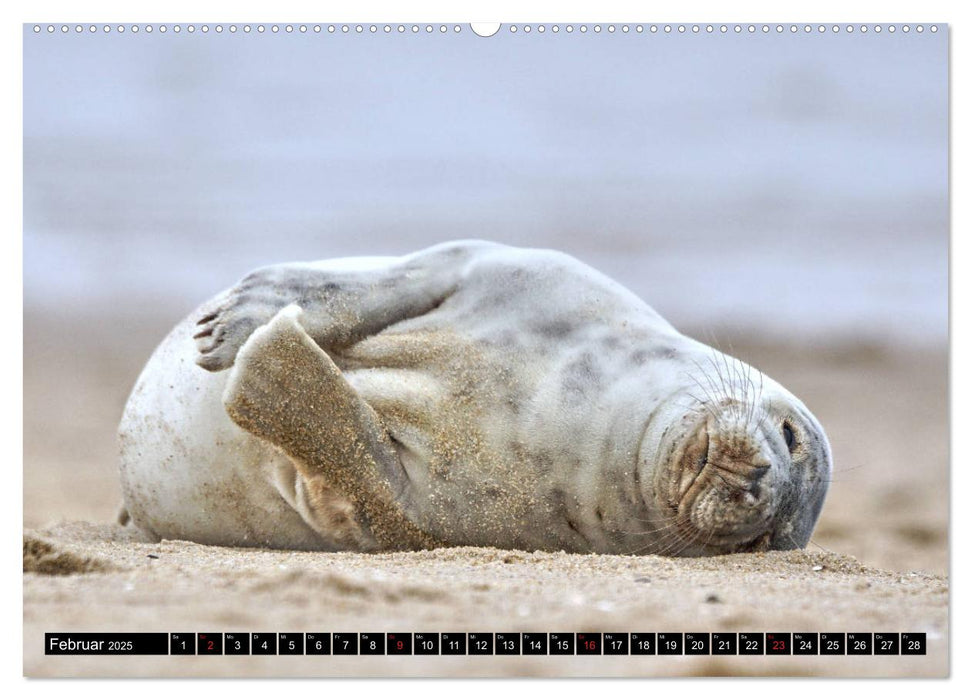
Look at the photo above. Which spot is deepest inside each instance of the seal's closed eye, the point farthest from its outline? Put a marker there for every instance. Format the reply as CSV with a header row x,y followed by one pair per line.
x,y
790,437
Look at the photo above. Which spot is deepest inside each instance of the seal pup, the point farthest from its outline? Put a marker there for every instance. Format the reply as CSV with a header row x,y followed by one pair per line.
x,y
468,394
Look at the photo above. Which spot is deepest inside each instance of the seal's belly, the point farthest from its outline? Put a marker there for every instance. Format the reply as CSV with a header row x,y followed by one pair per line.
x,y
450,403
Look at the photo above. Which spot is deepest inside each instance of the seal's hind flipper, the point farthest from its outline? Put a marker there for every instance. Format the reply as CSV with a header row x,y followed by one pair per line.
x,y
286,390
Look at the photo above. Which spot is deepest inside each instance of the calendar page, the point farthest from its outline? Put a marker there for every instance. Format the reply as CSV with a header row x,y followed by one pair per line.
x,y
457,350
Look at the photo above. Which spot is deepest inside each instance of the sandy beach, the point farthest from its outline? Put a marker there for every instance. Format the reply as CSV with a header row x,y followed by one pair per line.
x,y
878,561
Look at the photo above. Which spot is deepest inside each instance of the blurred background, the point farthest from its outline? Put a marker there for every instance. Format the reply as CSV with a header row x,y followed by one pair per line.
x,y
781,196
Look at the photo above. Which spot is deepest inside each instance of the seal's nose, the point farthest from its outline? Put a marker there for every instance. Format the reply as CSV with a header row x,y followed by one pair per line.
x,y
757,473
755,476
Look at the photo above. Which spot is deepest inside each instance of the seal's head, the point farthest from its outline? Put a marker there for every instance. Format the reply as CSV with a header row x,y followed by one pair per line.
x,y
740,465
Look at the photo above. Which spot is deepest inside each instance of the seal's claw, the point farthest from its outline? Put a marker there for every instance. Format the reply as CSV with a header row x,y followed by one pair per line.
x,y
227,324
215,354
208,338
217,350
212,363
220,341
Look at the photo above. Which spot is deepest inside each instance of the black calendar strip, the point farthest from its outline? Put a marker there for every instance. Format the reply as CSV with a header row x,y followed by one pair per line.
x,y
488,643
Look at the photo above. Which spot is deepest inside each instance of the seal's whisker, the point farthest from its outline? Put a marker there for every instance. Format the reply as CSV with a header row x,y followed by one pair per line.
x,y
753,401
698,382
666,521
726,390
653,531
706,401
670,514
689,541
765,414
653,546
757,399
724,479
794,543
675,521
731,370
711,533
711,391
704,404
814,543
733,376
704,546
672,534
745,386
861,465
672,549
686,542
689,538
667,546
714,380
735,368
744,382
717,395
721,377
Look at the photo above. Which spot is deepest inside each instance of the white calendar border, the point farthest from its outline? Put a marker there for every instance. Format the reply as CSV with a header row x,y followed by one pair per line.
x,y
830,11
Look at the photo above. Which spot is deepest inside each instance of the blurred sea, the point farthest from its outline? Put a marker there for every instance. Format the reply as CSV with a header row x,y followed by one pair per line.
x,y
793,185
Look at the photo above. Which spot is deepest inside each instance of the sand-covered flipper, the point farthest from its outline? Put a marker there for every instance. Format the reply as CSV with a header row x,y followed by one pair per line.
x,y
286,390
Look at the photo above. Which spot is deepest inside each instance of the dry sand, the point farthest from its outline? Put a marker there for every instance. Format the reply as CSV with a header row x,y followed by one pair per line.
x,y
879,561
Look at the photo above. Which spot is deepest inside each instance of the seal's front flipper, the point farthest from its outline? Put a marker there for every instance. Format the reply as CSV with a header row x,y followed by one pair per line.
x,y
286,390
341,306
